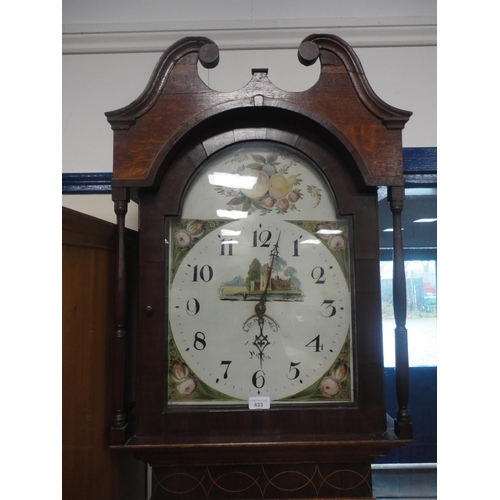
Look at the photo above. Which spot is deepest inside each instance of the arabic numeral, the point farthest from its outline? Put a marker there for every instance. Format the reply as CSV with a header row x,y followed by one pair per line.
x,y
258,379
226,363
318,274
264,237
315,342
223,245
205,274
199,341
329,309
296,246
192,307
293,372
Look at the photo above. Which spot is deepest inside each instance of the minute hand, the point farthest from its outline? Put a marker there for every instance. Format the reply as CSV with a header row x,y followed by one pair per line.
x,y
260,308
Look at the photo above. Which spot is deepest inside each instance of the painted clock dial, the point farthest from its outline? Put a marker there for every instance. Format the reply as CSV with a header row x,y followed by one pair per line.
x,y
259,292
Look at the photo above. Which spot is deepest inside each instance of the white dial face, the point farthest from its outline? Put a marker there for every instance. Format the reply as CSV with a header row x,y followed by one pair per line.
x,y
259,304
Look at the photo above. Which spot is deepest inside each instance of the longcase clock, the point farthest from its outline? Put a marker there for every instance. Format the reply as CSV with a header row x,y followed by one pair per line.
x,y
259,360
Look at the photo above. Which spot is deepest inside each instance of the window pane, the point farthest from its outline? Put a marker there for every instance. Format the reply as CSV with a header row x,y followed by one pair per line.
x,y
419,224
421,315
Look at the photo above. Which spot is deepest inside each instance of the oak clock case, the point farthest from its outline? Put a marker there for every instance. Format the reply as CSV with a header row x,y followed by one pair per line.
x,y
259,330
308,340
259,296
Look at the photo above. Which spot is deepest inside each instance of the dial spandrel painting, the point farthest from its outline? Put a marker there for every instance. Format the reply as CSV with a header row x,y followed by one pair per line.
x,y
259,284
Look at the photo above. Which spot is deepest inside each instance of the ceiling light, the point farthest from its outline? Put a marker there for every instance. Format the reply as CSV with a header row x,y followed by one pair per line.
x,y
232,214
329,231
425,220
314,242
232,180
229,232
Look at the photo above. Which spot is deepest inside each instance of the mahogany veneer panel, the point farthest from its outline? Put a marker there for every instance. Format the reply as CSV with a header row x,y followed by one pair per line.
x,y
90,470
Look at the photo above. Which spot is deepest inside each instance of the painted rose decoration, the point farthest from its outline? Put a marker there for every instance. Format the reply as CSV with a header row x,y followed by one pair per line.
x,y
186,384
186,237
331,385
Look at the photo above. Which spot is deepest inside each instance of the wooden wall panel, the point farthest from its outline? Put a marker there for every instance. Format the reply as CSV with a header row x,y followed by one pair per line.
x,y
90,470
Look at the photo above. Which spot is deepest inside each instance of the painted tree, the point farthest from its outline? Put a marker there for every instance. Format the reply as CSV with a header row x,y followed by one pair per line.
x,y
291,272
253,273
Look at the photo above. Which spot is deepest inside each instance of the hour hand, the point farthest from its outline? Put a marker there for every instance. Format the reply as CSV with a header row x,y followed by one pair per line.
x,y
260,308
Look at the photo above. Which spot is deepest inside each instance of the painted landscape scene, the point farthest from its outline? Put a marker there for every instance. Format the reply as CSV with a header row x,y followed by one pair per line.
x,y
283,285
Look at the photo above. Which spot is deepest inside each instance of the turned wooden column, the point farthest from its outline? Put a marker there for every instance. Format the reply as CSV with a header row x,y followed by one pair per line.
x,y
402,424
119,345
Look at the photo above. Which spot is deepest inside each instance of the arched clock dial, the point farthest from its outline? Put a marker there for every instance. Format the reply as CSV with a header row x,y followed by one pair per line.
x,y
259,305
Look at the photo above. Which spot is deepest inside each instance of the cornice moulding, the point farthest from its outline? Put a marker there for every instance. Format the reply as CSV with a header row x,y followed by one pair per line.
x,y
155,37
